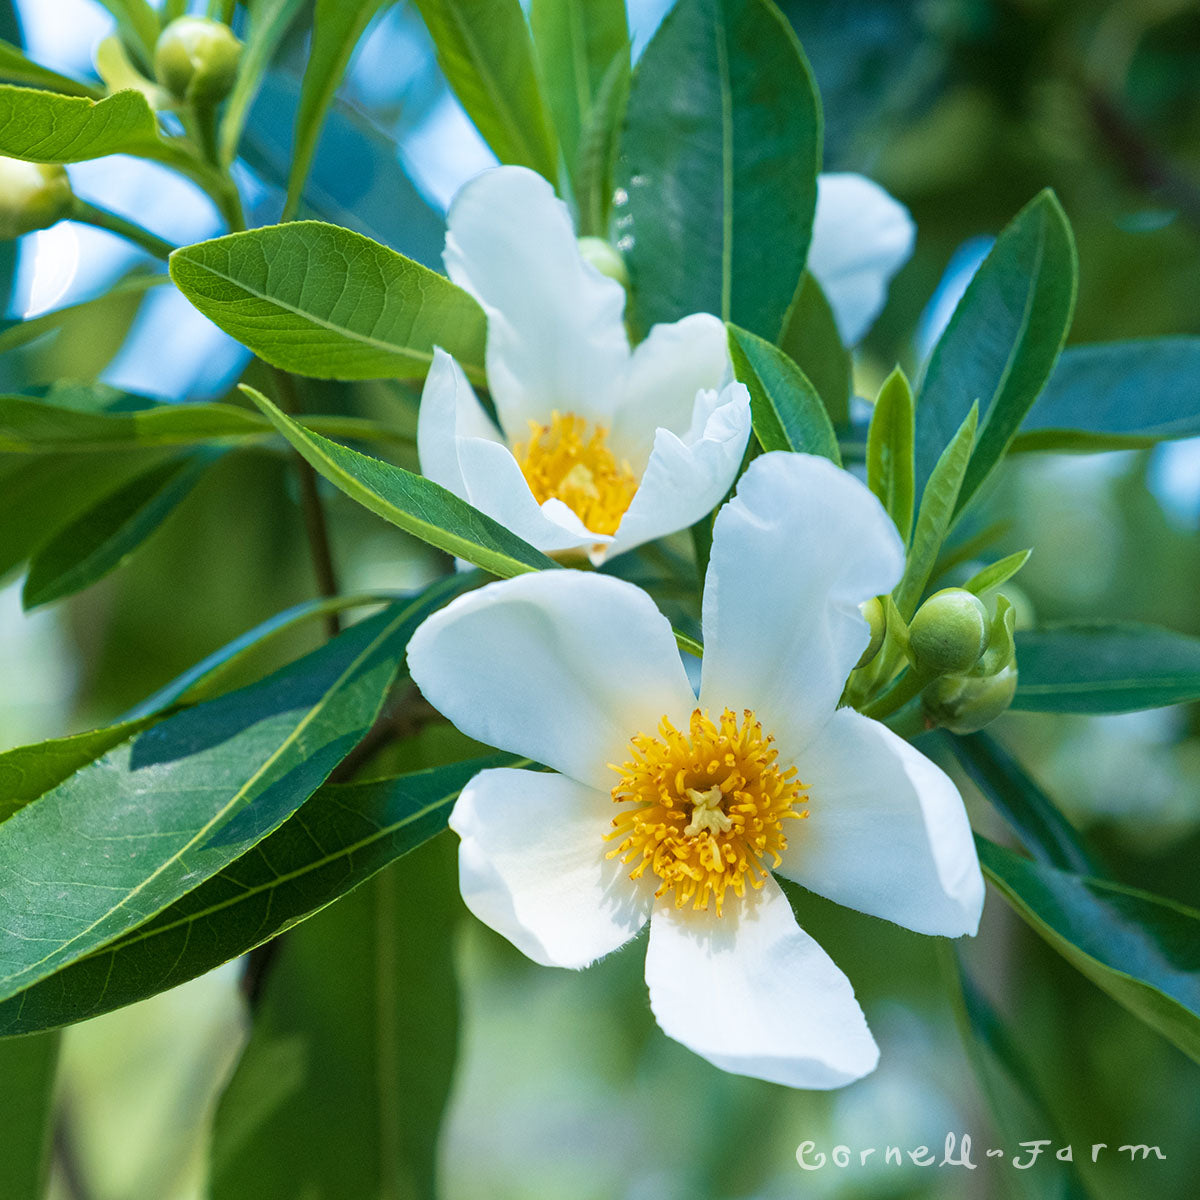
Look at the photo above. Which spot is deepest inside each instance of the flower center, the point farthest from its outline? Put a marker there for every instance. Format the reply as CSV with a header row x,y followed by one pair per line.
x,y
704,809
569,461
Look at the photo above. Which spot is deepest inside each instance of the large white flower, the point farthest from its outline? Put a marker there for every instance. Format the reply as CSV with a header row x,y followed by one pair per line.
x,y
581,672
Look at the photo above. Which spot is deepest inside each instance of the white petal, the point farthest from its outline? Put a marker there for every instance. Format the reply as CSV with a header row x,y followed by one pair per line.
x,y
532,865
562,666
556,334
861,238
753,994
688,476
449,410
666,371
796,551
886,831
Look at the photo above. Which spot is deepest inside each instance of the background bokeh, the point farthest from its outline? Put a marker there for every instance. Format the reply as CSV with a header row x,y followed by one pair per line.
x,y
963,109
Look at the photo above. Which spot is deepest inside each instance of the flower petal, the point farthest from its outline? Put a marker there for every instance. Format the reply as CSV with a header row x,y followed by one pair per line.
x,y
861,238
532,865
886,831
556,335
752,993
449,410
666,371
796,551
688,476
562,666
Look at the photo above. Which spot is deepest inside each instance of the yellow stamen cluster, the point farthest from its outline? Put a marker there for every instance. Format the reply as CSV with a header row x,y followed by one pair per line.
x,y
568,461
704,810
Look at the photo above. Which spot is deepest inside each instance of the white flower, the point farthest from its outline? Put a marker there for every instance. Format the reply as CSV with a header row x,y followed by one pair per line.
x,y
580,672
599,447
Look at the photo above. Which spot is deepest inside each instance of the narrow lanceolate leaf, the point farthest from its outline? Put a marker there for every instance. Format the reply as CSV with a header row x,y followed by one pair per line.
x,y
1142,950
718,167
139,23
103,537
176,804
43,127
325,302
1106,667
936,515
597,158
890,451
1117,394
415,504
335,842
16,68
1002,341
996,573
28,1068
484,49
360,1009
786,411
811,338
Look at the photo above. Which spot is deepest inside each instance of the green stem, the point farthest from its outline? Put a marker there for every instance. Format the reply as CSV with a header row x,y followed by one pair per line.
x,y
911,684
101,218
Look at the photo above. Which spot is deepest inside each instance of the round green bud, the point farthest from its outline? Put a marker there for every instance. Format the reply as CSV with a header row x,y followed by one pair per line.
x,y
966,703
605,257
196,60
949,633
32,196
876,617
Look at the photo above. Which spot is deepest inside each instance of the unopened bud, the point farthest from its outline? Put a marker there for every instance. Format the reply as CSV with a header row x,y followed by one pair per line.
x,y
605,257
196,60
876,617
966,703
949,633
32,196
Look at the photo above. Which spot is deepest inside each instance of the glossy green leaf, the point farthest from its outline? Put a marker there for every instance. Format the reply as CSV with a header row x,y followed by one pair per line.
x,y
415,504
997,573
890,451
325,302
597,157
44,127
102,538
1142,950
485,51
28,1068
335,842
1106,667
16,68
353,1044
337,27
718,167
936,515
1117,394
1002,341
811,339
786,411
174,805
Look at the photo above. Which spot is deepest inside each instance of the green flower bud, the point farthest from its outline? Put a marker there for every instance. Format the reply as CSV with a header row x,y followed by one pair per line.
x,y
966,703
876,618
605,257
32,196
949,633
196,60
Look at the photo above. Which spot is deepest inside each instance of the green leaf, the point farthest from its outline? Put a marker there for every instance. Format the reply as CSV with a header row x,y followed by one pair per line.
x,y
577,43
16,68
103,537
890,451
598,149
718,167
328,303
353,1044
811,338
28,1068
484,49
44,127
1142,950
138,21
996,573
1105,667
417,505
335,842
936,515
1002,341
337,27
786,411
183,799
1116,395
